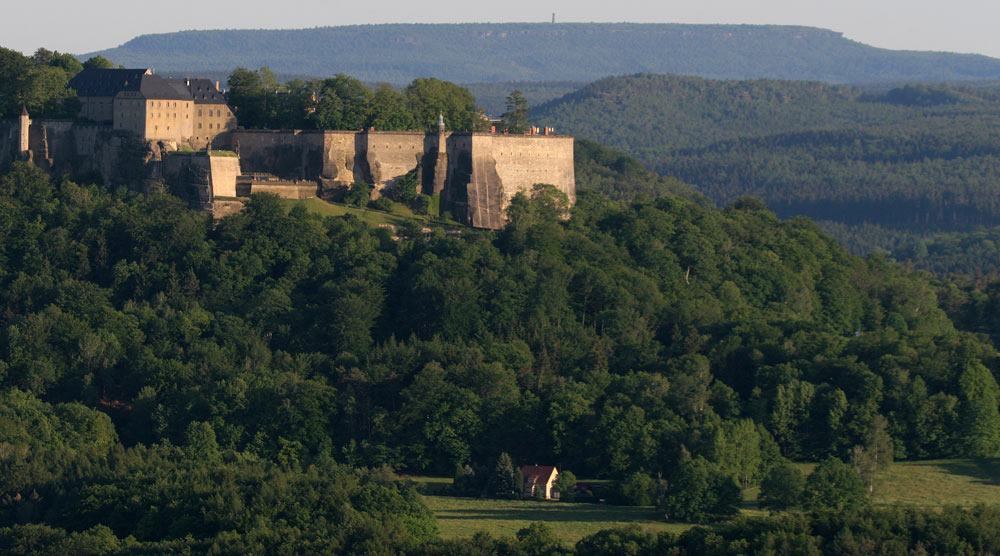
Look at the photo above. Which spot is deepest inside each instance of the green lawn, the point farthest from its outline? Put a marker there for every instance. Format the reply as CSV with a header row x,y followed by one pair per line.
x,y
923,483
964,482
400,215
323,208
462,517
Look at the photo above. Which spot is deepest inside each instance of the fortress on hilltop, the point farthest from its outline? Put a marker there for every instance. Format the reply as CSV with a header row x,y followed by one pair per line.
x,y
135,127
476,174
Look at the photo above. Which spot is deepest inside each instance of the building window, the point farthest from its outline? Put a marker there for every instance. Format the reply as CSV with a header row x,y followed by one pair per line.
x,y
209,126
199,111
199,125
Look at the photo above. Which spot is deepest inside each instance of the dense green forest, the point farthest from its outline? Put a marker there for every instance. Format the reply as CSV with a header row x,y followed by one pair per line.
x,y
913,160
972,253
233,381
343,102
39,83
493,96
621,177
492,52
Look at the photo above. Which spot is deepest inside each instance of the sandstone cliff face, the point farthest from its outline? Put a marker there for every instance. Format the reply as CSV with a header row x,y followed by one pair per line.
x,y
85,152
489,170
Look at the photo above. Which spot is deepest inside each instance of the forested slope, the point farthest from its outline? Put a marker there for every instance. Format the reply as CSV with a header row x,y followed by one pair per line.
x,y
916,158
490,52
155,368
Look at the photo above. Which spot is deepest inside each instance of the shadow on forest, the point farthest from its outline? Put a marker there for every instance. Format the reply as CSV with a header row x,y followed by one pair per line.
x,y
984,471
586,513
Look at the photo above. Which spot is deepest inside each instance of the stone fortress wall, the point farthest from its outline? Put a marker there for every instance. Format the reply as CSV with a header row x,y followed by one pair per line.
x,y
481,171
476,174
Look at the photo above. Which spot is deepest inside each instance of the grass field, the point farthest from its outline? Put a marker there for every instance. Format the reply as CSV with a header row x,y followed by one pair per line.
x,y
400,215
463,517
372,217
964,482
922,483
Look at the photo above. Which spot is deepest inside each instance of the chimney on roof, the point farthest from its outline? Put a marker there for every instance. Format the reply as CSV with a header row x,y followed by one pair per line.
x,y
216,85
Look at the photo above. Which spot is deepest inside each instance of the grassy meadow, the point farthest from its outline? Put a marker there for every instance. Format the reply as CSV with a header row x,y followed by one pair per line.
x,y
400,215
963,482
463,517
922,483
371,216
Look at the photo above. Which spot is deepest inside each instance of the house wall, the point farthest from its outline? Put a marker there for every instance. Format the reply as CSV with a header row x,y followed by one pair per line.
x,y
97,109
130,112
549,486
167,120
208,121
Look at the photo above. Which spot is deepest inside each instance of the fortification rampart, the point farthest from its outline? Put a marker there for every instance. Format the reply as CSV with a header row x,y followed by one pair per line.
x,y
477,176
490,170
201,177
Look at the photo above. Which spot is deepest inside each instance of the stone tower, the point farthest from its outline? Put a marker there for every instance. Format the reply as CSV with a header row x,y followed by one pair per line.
x,y
441,163
25,127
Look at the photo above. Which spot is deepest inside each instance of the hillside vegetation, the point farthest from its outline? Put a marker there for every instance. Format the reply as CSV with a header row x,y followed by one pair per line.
x,y
489,52
915,158
230,380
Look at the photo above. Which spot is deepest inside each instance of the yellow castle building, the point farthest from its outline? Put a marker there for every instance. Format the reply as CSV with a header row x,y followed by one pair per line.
x,y
188,111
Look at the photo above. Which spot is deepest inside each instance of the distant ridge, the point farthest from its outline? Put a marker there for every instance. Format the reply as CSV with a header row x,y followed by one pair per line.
x,y
485,52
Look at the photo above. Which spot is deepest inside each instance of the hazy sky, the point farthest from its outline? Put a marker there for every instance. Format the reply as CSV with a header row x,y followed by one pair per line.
x,y
77,27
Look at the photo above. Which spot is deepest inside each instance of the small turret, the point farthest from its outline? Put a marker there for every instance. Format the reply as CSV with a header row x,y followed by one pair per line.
x,y
25,127
441,162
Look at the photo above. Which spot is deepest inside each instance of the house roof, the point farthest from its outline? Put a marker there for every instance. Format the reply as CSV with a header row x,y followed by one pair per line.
x,y
205,91
107,82
110,82
540,473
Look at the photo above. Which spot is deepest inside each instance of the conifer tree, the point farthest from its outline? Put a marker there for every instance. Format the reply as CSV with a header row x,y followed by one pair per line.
x,y
980,418
504,477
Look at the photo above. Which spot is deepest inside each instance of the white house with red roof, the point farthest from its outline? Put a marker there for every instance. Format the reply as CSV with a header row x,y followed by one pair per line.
x,y
540,477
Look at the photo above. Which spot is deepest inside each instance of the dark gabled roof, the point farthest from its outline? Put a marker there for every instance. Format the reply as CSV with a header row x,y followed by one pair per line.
x,y
106,82
204,91
109,82
154,86
540,473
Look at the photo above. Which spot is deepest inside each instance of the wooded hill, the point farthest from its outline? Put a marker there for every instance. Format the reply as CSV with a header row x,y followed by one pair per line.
x,y
488,52
916,158
155,367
